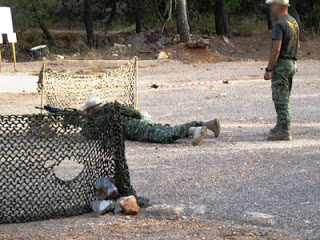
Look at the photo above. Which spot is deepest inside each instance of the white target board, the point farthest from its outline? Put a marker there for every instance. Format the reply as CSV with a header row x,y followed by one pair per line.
x,y
6,25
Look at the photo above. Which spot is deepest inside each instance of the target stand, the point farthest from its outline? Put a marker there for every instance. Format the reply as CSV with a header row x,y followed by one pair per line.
x,y
6,28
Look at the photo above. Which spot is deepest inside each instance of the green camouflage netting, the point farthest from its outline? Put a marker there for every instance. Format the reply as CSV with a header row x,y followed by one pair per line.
x,y
33,145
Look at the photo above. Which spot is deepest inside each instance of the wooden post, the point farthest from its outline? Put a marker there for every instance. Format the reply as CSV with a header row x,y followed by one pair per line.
x,y
136,85
42,85
0,59
14,57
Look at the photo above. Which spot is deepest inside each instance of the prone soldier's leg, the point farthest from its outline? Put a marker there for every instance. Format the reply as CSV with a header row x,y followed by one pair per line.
x,y
167,134
147,131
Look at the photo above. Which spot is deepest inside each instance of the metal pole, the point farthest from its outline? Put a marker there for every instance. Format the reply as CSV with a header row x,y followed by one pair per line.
x,y
14,57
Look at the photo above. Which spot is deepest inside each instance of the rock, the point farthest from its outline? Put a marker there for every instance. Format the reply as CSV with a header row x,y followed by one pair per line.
x,y
121,40
129,205
227,41
199,43
176,38
150,31
137,39
105,189
117,207
162,55
120,46
59,57
134,40
162,40
164,210
259,218
158,46
102,207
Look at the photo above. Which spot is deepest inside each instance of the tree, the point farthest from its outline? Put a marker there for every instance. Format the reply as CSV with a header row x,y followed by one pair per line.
x,y
40,12
88,22
136,6
182,21
221,17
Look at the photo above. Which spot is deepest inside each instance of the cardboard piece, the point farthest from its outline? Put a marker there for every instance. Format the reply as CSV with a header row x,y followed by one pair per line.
x,y
12,37
6,25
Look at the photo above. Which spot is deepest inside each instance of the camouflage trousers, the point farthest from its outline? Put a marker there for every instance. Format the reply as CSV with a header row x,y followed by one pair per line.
x,y
282,76
143,130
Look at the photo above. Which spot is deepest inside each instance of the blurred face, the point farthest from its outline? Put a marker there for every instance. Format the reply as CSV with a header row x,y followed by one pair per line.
x,y
276,9
93,110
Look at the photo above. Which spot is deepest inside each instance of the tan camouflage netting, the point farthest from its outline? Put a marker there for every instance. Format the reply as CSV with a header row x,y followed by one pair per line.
x,y
71,91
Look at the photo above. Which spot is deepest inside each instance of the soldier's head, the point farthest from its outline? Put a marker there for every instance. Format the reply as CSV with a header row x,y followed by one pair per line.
x,y
92,106
278,7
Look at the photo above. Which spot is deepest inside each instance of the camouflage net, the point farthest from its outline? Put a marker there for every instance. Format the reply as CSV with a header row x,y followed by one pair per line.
x,y
32,146
71,91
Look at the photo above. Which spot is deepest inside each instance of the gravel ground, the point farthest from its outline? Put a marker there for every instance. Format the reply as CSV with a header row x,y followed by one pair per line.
x,y
238,178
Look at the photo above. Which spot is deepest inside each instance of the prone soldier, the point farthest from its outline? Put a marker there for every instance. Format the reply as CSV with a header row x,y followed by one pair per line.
x,y
136,128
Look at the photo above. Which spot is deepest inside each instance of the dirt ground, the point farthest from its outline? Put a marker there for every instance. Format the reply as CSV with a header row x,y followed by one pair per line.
x,y
238,186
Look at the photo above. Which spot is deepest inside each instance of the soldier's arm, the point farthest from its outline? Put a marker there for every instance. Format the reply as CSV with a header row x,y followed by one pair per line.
x,y
275,53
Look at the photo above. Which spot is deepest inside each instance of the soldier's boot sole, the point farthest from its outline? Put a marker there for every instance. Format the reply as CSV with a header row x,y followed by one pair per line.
x,y
214,126
280,136
199,134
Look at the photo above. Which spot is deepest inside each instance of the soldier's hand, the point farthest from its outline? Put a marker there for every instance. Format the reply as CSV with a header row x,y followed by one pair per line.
x,y
267,76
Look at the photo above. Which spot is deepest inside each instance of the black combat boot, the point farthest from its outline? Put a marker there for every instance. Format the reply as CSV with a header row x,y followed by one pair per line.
x,y
282,134
275,129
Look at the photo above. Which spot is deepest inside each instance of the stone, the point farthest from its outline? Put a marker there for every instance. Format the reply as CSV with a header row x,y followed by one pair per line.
x,y
162,55
258,218
102,207
133,41
165,210
117,207
162,40
105,189
129,205
176,38
199,43
150,31
59,57
120,46
121,40
158,46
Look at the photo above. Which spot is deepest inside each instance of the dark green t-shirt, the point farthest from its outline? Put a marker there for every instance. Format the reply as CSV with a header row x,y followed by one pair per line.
x,y
287,29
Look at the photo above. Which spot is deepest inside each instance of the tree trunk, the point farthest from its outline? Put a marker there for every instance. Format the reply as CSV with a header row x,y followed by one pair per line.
x,y
182,21
136,6
189,16
88,22
269,19
293,12
113,13
47,34
221,17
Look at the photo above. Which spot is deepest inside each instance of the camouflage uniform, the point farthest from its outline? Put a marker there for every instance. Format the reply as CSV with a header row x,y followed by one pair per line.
x,y
282,76
285,29
143,130
136,128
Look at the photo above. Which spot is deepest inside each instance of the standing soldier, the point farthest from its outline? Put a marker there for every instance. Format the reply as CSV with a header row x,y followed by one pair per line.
x,y
282,66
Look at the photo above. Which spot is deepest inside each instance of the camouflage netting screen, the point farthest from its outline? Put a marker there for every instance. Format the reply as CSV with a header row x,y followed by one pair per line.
x,y
35,153
71,91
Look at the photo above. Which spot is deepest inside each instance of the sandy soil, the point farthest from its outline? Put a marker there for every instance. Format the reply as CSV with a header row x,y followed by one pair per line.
x,y
233,187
